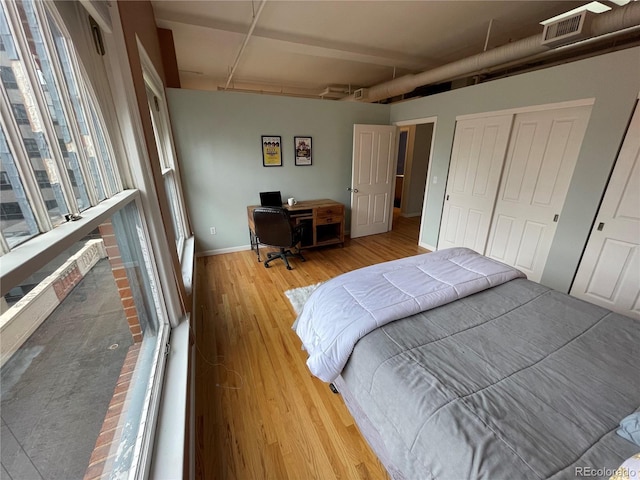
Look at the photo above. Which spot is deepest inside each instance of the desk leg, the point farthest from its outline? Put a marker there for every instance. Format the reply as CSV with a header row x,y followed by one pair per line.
x,y
253,240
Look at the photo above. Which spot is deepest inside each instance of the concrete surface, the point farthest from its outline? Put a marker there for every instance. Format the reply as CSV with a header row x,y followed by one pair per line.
x,y
56,389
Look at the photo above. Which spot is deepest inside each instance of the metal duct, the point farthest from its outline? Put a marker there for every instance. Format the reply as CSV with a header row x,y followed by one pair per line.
x,y
605,23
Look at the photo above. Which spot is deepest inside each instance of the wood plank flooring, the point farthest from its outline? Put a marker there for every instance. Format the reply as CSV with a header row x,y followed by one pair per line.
x,y
260,414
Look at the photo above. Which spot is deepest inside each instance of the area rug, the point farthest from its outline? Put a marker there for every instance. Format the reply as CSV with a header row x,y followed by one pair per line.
x,y
298,296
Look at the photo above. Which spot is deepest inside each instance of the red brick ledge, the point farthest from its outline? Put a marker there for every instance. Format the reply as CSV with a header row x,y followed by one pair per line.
x,y
103,453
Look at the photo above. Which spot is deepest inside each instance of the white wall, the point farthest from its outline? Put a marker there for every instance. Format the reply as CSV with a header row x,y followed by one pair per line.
x,y
612,79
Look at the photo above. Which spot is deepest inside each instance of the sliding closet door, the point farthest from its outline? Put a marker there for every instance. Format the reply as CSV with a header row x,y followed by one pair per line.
x,y
542,154
609,273
479,148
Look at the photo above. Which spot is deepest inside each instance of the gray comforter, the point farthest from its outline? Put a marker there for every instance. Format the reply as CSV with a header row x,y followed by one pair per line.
x,y
517,382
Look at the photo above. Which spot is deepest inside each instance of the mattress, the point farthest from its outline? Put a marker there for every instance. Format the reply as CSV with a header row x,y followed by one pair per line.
x,y
517,381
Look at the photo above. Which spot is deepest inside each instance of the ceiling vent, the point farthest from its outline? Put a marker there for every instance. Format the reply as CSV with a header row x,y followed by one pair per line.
x,y
335,91
566,30
360,94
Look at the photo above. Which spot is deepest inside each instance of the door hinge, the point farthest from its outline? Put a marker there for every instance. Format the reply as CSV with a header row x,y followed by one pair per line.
x,y
447,197
600,226
556,217
167,349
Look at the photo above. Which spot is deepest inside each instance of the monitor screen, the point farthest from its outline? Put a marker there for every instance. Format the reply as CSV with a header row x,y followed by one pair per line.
x,y
270,199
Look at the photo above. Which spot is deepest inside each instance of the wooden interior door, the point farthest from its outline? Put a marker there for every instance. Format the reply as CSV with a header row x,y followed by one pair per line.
x,y
542,154
479,148
373,179
609,273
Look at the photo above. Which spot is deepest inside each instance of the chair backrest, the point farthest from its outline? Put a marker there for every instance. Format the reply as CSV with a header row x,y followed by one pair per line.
x,y
273,227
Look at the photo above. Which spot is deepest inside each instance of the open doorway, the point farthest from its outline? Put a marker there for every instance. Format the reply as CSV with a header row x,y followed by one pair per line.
x,y
415,141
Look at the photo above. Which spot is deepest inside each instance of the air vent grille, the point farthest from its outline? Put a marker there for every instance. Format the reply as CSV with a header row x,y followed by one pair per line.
x,y
564,27
566,30
360,94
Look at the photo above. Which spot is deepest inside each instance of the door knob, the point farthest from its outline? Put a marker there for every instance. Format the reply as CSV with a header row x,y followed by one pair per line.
x,y
354,190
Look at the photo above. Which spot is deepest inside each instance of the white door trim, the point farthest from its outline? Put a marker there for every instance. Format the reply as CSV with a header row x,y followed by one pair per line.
x,y
419,121
531,108
415,121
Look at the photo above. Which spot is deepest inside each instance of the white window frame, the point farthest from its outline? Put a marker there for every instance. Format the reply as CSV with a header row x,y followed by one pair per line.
x,y
111,82
166,149
13,131
39,251
49,132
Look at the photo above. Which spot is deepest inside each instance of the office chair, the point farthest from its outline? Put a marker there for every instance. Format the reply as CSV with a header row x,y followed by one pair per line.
x,y
273,228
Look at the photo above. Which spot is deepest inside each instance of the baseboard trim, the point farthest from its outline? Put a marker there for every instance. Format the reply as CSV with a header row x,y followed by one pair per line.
x,y
220,251
427,246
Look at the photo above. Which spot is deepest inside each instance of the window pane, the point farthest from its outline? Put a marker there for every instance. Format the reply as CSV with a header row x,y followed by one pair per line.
x,y
172,194
106,158
96,344
16,219
161,132
73,87
15,81
135,262
67,143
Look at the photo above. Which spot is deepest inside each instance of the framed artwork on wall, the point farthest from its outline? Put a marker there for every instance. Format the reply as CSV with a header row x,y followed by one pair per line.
x,y
303,150
271,151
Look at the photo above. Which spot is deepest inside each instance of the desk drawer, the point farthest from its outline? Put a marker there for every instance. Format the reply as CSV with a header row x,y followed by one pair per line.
x,y
333,210
329,219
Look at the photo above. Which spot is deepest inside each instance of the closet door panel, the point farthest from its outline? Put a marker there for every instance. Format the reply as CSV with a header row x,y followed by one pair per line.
x,y
479,147
541,157
609,273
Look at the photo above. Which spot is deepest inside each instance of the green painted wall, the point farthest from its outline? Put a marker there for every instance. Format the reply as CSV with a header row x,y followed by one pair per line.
x,y
217,139
612,79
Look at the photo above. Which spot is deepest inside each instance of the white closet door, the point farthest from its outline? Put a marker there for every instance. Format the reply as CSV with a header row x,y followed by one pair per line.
x,y
542,154
609,273
479,147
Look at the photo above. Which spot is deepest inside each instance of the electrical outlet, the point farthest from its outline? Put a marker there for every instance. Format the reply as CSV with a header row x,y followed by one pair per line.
x,y
213,230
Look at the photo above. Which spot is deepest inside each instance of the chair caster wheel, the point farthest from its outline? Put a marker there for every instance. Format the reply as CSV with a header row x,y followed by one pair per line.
x,y
289,268
266,265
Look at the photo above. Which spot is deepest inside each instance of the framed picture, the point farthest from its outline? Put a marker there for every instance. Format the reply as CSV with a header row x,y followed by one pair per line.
x,y
271,151
303,150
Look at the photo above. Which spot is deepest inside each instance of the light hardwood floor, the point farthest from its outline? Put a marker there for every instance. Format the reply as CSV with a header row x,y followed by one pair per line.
x,y
260,414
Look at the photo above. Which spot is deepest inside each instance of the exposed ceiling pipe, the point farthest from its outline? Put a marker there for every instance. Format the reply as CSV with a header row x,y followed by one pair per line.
x,y
605,23
244,44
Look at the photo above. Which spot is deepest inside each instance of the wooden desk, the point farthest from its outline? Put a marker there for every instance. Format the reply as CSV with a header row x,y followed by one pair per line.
x,y
324,220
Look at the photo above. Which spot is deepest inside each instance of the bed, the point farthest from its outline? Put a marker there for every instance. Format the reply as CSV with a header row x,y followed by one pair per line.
x,y
508,379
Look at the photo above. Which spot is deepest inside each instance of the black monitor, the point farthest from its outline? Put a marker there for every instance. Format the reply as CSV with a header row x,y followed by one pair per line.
x,y
270,199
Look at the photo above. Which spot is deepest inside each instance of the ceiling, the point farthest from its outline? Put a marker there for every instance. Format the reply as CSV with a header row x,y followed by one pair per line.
x,y
330,48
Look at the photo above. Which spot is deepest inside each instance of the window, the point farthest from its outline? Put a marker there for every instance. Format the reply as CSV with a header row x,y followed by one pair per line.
x,y
80,342
45,106
57,158
7,76
20,114
17,229
166,151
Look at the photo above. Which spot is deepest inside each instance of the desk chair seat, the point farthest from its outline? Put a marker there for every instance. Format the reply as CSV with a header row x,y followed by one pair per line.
x,y
273,228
